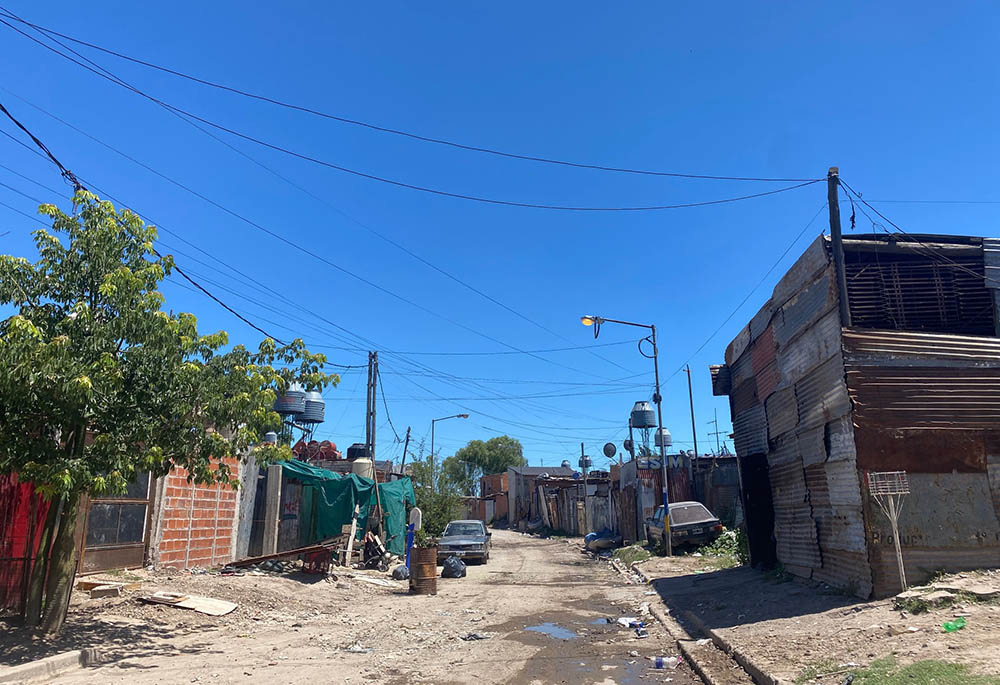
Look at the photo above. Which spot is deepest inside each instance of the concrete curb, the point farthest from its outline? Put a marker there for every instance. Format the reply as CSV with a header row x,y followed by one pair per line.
x,y
755,671
50,666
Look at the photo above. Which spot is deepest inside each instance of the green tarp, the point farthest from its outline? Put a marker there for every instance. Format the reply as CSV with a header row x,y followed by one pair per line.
x,y
328,501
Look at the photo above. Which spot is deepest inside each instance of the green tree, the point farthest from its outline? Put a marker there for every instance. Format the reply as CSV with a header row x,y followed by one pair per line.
x,y
437,496
99,384
479,458
461,476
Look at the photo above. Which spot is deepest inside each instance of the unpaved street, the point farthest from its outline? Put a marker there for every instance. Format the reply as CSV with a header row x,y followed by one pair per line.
x,y
287,630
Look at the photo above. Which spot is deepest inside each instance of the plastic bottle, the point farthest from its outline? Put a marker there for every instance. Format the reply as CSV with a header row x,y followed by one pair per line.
x,y
664,661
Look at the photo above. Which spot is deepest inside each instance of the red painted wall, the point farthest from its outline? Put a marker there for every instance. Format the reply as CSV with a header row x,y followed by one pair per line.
x,y
21,510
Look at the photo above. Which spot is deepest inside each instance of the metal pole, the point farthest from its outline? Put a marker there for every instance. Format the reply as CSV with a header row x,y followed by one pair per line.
x,y
663,450
405,445
586,509
432,447
837,241
694,431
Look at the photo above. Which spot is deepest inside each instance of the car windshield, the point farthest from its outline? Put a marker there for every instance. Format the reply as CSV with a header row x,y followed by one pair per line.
x,y
464,529
689,513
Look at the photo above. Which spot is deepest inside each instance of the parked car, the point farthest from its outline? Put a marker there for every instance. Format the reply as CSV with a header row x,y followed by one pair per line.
x,y
467,540
690,524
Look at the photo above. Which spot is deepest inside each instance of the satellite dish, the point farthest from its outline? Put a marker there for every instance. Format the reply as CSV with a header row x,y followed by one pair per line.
x,y
610,450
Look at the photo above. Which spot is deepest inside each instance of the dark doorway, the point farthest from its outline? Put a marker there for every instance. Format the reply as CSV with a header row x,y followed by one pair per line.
x,y
758,510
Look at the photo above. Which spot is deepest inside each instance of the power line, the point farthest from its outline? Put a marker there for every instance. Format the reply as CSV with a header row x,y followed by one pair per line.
x,y
384,405
403,184
494,353
385,129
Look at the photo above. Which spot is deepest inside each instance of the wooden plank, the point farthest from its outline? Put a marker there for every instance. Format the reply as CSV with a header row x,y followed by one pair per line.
x,y
272,511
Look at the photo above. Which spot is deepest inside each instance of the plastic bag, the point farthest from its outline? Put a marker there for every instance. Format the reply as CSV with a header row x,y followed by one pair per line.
x,y
453,568
401,572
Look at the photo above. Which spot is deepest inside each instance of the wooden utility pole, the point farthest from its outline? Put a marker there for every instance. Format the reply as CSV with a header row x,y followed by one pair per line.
x,y
406,443
371,446
694,429
837,242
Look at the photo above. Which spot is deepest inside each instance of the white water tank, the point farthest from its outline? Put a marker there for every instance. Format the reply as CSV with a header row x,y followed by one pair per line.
x,y
364,467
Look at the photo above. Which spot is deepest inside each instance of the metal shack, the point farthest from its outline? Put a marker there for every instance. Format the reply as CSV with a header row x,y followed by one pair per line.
x,y
912,384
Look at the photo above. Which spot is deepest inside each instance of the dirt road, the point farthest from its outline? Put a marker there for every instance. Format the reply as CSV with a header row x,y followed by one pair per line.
x,y
541,605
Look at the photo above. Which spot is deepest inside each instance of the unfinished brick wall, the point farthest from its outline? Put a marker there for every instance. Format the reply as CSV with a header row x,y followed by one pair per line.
x,y
196,522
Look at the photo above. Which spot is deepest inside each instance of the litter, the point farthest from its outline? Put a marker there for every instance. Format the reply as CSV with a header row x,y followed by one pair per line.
x,y
702,642
203,605
476,636
644,608
356,648
453,568
628,621
401,572
382,582
953,626
664,661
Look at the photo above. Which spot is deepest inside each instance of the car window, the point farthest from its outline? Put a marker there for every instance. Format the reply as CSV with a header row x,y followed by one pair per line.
x,y
464,529
689,513
658,516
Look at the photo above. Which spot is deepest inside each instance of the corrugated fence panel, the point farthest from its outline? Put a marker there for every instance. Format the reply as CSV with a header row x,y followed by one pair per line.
x,y
763,351
812,348
846,570
822,394
806,306
744,396
805,268
750,432
767,379
797,543
842,483
784,450
812,445
788,484
840,440
991,257
782,412
742,370
738,346
761,320
902,348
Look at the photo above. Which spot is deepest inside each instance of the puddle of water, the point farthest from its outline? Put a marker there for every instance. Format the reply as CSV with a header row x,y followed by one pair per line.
x,y
600,622
553,630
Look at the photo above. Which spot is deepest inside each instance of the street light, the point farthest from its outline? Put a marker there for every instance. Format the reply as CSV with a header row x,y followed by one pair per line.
x,y
443,418
596,322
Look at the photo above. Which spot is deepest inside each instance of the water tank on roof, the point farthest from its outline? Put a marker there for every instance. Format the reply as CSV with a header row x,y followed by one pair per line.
x,y
663,438
643,415
293,402
357,451
270,438
364,467
314,408
566,464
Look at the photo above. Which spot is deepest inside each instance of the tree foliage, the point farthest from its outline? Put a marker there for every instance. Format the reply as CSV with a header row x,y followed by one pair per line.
x,y
479,458
438,498
99,384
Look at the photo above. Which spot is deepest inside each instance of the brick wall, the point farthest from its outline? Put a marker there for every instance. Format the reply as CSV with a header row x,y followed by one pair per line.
x,y
494,483
196,522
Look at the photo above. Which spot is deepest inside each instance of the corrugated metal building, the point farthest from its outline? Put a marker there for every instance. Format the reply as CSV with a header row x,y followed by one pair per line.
x,y
913,385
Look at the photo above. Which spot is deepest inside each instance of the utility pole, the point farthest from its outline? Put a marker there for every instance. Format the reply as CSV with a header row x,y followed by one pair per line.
x,y
837,240
694,430
586,508
717,432
406,444
370,435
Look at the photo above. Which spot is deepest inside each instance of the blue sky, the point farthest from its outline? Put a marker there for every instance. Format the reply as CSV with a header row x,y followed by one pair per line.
x,y
903,99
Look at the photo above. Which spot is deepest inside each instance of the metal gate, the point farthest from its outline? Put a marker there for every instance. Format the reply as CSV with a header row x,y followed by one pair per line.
x,y
115,531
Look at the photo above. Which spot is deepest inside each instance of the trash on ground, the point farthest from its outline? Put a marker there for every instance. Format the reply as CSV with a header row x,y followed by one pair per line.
x,y
383,582
203,605
401,572
702,642
664,661
644,608
953,626
897,630
356,648
453,568
641,633
628,621
476,636
105,591
601,540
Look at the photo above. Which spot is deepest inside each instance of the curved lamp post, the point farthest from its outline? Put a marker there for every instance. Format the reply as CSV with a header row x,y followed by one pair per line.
x,y
596,322
443,418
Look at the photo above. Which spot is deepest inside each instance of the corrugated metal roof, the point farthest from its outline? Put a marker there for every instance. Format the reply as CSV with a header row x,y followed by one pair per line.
x,y
806,306
813,347
738,346
805,268
909,349
750,432
991,259
782,412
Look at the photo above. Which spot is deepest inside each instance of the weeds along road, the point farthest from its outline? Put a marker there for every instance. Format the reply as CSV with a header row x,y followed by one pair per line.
x,y
287,630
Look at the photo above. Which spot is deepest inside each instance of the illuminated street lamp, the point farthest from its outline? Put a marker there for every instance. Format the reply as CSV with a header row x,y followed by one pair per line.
x,y
596,322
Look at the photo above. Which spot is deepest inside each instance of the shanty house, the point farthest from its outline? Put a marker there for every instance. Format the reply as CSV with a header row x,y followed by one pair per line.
x,y
899,372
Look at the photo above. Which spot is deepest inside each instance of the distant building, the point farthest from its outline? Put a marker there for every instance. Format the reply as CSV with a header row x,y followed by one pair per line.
x,y
912,384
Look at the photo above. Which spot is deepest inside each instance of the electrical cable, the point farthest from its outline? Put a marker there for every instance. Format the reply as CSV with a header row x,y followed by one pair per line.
x,y
378,376
403,184
384,129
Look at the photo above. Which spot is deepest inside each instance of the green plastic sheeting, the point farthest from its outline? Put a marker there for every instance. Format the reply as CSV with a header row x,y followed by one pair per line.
x,y
330,506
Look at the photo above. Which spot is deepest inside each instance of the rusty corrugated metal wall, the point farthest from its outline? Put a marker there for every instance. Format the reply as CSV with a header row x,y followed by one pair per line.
x,y
791,404
929,404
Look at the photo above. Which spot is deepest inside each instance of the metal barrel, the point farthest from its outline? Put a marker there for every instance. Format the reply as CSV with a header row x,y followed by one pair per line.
x,y
423,570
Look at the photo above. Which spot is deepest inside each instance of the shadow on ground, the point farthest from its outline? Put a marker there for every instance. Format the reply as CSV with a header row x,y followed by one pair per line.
x,y
116,640
735,596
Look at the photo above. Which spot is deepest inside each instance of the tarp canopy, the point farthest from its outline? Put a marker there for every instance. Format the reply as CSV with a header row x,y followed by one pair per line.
x,y
332,506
